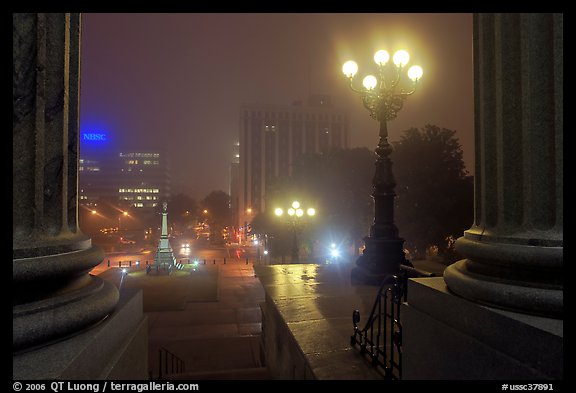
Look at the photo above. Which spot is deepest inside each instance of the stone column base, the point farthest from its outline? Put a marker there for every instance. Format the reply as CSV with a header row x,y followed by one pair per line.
x,y
115,349
448,337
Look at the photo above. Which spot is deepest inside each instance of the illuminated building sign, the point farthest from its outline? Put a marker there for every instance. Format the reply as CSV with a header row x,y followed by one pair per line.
x,y
94,137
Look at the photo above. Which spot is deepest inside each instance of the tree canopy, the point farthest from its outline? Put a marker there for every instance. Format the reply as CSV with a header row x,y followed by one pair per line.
x,y
434,191
434,203
219,215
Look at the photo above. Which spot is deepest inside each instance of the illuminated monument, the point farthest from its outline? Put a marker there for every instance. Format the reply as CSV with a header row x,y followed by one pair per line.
x,y
164,255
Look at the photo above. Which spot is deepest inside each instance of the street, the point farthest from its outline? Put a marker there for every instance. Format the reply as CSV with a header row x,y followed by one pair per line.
x,y
137,256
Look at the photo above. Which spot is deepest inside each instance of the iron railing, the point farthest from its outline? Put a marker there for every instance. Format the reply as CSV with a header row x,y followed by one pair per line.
x,y
168,363
381,337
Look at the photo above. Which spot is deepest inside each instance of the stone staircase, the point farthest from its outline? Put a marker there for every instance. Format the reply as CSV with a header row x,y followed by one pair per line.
x,y
215,340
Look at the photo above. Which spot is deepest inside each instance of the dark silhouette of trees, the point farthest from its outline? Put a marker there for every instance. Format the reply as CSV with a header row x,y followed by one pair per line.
x,y
182,211
219,215
435,201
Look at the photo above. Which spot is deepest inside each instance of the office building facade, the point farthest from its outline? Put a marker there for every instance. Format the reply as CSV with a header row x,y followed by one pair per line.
x,y
272,137
135,179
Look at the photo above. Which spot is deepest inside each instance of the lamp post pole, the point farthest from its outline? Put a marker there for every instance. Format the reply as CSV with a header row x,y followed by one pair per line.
x,y
384,251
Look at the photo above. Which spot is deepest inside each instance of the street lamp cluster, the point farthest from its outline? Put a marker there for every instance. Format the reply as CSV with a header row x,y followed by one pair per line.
x,y
295,212
383,96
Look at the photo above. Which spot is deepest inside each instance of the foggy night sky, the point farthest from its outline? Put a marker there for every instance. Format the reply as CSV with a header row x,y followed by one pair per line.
x,y
177,80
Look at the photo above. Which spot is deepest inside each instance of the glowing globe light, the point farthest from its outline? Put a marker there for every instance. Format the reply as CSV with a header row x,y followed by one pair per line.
x,y
299,212
295,204
415,72
311,211
381,57
350,68
370,82
401,58
278,211
291,212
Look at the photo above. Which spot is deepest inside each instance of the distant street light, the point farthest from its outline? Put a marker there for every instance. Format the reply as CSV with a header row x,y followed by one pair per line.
x,y
125,214
245,227
383,97
295,212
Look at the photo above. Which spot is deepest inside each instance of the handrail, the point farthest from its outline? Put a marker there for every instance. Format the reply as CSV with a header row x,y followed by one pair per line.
x,y
381,337
171,363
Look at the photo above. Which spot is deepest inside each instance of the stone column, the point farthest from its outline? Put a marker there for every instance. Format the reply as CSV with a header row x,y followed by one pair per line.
x,y
514,249
54,297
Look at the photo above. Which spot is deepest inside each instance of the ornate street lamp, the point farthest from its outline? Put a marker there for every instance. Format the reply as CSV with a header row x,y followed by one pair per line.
x,y
295,212
383,97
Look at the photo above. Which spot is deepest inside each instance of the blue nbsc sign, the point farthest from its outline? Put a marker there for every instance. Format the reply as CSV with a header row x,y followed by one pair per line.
x,y
94,137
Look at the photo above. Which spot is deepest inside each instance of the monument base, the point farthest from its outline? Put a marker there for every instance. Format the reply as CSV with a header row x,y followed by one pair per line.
x,y
164,258
115,349
465,340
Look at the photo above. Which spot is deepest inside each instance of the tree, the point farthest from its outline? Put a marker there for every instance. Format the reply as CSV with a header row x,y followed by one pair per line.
x,y
183,210
434,191
219,215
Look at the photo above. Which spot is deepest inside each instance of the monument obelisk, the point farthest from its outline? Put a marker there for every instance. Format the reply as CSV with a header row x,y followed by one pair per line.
x,y
164,255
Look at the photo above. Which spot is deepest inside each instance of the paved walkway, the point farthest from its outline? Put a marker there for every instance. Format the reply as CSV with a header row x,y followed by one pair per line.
x,y
221,339
217,340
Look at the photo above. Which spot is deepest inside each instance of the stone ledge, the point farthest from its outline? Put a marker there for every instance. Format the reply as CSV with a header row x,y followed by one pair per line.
x,y
307,322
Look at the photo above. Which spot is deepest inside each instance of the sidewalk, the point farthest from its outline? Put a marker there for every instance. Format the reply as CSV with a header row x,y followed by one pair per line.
x,y
222,339
216,340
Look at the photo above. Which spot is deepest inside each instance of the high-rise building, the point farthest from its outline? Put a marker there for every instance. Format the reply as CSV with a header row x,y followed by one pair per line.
x,y
135,178
273,136
142,179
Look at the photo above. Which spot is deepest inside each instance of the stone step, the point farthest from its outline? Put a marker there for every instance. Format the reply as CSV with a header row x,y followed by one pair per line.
x,y
210,354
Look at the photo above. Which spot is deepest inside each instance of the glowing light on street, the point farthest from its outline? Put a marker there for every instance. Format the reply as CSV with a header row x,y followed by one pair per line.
x,y
381,57
350,68
415,72
401,58
369,82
